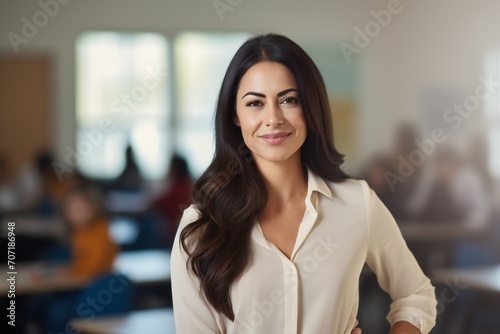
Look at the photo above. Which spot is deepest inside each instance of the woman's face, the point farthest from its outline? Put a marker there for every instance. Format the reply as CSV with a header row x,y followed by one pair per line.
x,y
269,113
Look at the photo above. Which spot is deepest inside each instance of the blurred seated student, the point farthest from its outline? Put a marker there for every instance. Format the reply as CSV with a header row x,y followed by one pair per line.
x,y
93,250
8,194
130,179
32,193
375,174
456,193
478,157
35,186
451,194
399,192
92,254
51,186
176,197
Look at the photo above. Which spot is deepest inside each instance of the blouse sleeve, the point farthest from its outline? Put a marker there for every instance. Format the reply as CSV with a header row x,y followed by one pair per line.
x,y
398,273
191,310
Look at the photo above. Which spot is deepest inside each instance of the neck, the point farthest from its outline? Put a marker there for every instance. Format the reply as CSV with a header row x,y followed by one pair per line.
x,y
285,181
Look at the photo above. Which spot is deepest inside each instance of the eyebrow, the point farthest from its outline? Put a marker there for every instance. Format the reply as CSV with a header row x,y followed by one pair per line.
x,y
279,94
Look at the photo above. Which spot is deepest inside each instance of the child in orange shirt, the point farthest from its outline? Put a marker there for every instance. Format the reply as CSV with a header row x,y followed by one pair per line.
x,y
93,253
93,250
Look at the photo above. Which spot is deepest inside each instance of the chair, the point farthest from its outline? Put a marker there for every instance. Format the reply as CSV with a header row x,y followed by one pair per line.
x,y
476,311
472,254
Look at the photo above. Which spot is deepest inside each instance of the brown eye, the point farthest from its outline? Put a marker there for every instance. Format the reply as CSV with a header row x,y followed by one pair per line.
x,y
290,100
254,104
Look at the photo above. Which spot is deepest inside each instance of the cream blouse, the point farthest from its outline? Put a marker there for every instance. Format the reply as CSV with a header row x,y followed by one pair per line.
x,y
316,291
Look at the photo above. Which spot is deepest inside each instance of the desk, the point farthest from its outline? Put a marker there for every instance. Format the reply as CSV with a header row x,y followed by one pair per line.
x,y
485,282
127,203
142,267
158,321
485,279
145,267
435,245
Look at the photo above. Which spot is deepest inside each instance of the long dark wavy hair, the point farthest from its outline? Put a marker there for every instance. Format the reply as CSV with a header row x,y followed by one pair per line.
x,y
231,194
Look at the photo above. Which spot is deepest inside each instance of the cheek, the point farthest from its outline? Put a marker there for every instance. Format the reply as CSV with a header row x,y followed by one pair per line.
x,y
303,125
299,123
248,125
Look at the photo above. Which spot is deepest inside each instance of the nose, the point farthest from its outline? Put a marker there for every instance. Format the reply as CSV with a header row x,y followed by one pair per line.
x,y
274,116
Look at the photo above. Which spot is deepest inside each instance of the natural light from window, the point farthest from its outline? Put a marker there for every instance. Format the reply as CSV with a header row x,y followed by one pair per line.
x,y
201,60
122,98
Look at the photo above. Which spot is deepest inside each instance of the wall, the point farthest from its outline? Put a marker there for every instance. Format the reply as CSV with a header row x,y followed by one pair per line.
x,y
430,48
25,100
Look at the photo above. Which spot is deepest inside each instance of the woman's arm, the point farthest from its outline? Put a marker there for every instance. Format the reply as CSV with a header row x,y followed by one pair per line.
x,y
403,327
397,271
356,329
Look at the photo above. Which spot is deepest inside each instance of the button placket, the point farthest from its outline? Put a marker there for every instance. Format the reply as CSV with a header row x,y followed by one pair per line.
x,y
291,293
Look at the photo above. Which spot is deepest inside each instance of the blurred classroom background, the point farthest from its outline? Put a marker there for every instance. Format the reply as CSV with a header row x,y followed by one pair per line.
x,y
106,112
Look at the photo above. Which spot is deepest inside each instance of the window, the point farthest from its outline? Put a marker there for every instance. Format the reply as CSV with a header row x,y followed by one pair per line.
x,y
124,97
201,60
122,94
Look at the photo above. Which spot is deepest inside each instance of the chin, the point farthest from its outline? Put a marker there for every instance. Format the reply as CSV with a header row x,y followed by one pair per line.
x,y
274,158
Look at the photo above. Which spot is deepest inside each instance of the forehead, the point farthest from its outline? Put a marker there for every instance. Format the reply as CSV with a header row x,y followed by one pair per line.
x,y
267,76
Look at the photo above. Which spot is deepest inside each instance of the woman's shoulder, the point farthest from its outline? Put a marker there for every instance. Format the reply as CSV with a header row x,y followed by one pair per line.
x,y
190,214
356,193
350,187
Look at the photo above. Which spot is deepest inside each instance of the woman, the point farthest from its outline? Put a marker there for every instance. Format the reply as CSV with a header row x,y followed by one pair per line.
x,y
278,234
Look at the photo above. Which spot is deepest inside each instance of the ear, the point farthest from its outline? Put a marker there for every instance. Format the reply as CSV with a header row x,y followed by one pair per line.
x,y
236,121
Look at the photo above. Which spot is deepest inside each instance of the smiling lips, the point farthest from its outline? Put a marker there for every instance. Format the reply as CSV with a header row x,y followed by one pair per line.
x,y
275,138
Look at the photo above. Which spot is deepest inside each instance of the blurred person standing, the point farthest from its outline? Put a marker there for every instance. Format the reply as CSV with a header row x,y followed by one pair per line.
x,y
375,175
